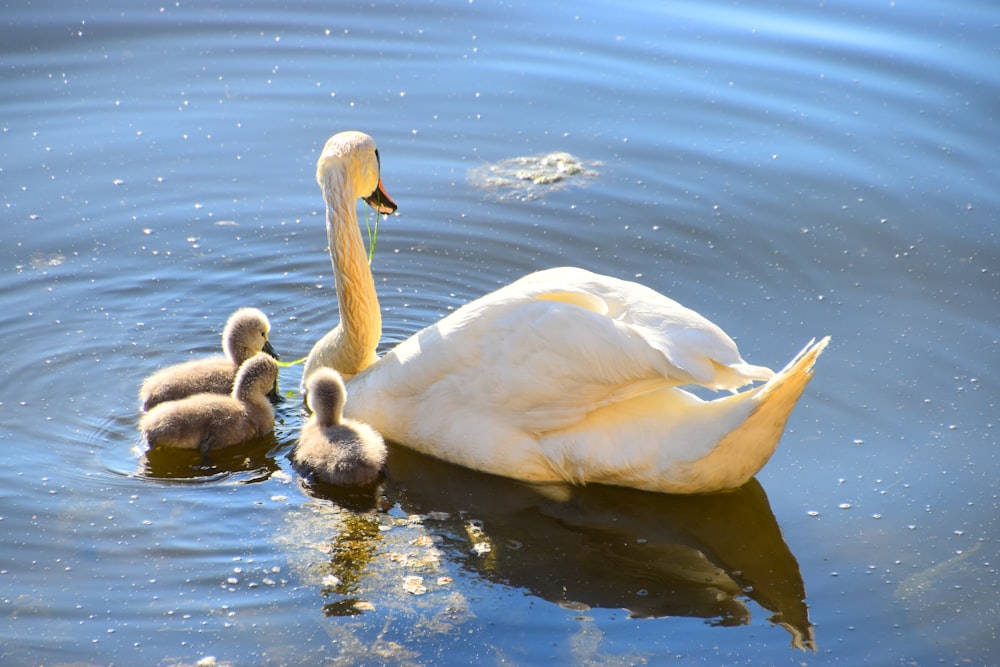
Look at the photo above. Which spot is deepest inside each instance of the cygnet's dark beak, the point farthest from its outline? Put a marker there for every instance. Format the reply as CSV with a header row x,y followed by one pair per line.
x,y
274,395
380,200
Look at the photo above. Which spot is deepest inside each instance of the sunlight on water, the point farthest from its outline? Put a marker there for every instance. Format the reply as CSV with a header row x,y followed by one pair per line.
x,y
790,171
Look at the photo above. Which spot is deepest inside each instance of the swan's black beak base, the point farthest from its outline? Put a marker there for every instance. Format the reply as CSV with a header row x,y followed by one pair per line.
x,y
380,200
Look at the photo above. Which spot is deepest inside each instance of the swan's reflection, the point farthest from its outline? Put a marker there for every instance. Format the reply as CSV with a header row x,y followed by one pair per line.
x,y
652,554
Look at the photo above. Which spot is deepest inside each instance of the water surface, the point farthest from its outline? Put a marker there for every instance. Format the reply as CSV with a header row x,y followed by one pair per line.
x,y
789,170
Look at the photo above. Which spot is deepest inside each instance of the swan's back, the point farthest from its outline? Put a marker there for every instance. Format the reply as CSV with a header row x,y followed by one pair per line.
x,y
693,349
548,349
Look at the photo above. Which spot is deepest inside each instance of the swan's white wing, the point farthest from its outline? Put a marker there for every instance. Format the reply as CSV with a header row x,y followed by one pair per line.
x,y
695,350
544,351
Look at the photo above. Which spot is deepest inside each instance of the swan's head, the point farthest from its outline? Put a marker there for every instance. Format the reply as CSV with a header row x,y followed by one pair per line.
x,y
246,334
350,160
326,396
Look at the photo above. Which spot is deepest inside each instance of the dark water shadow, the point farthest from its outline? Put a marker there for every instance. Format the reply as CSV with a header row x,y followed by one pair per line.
x,y
358,499
655,555
252,461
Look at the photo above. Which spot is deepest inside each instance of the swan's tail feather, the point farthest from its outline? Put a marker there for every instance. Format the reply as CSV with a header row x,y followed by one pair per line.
x,y
776,399
793,378
748,447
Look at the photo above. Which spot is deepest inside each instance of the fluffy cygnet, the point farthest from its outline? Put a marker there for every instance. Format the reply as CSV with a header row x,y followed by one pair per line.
x,y
334,449
245,335
213,421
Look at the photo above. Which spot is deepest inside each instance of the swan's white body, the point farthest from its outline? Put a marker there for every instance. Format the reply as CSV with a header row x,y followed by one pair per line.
x,y
566,375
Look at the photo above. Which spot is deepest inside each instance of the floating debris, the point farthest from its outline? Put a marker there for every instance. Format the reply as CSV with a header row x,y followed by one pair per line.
x,y
572,605
427,560
414,584
530,177
474,528
423,541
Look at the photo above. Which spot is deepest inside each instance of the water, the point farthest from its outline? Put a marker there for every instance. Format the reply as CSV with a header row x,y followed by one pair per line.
x,y
789,170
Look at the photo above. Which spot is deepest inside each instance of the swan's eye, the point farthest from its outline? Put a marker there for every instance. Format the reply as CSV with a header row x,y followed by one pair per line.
x,y
378,160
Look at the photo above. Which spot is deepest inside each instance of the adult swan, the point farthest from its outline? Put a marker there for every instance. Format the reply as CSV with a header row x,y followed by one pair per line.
x,y
564,375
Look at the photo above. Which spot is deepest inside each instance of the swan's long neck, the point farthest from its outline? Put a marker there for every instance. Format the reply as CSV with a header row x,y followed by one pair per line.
x,y
360,319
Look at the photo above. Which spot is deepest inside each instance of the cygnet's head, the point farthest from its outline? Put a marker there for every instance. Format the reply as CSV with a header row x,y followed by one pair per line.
x,y
246,334
350,159
326,396
256,376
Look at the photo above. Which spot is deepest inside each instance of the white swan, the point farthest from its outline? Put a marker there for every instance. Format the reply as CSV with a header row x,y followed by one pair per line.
x,y
335,450
564,375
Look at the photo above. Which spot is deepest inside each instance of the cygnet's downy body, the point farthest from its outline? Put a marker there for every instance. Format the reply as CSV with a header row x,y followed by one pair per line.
x,y
212,421
245,335
331,448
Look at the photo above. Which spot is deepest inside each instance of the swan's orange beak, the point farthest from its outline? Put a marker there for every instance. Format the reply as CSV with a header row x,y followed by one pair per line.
x,y
380,201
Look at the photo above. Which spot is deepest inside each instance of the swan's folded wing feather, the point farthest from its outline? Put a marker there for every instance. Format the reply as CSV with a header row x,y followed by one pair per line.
x,y
550,362
696,350
543,353
580,298
553,358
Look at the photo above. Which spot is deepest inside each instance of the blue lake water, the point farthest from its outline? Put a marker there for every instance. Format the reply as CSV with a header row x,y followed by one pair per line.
x,y
790,170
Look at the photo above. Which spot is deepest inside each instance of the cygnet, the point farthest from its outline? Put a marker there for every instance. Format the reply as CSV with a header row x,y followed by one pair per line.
x,y
212,421
245,335
333,449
